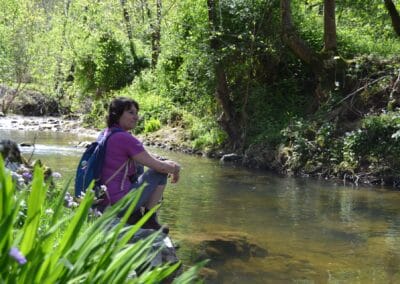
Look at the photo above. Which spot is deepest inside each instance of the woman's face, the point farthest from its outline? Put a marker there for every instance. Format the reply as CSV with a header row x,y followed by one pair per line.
x,y
129,118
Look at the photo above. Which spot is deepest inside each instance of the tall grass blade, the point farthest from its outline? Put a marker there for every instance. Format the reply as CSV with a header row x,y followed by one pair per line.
x,y
59,205
35,203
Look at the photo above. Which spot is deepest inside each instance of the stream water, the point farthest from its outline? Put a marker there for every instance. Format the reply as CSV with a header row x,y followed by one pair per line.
x,y
310,231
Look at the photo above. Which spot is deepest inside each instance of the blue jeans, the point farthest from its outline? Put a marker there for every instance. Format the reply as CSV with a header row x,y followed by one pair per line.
x,y
151,180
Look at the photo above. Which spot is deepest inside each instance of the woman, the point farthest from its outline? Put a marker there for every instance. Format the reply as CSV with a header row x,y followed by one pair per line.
x,y
123,154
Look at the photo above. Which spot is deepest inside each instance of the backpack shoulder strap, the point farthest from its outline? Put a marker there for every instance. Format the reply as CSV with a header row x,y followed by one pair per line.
x,y
126,165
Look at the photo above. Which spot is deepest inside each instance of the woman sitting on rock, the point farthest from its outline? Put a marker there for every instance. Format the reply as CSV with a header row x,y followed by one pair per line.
x,y
123,153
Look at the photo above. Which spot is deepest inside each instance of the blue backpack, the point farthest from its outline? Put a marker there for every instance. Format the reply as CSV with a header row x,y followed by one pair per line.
x,y
91,164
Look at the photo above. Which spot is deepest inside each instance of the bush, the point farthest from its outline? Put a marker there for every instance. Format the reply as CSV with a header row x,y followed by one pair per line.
x,y
109,68
312,145
376,143
205,133
151,125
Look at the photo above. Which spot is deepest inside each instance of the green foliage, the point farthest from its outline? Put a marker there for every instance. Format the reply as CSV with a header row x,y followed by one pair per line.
x,y
151,125
185,70
313,146
20,23
82,52
375,145
204,133
272,108
108,68
96,113
363,27
69,249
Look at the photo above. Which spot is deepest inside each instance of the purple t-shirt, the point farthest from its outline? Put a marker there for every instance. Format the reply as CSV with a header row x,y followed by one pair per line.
x,y
121,147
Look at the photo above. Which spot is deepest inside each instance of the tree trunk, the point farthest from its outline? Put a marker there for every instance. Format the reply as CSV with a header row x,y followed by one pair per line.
x,y
59,76
8,100
128,26
155,27
327,68
229,118
291,38
330,44
394,15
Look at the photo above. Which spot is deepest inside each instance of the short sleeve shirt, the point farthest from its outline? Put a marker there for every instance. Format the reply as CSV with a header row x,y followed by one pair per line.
x,y
121,147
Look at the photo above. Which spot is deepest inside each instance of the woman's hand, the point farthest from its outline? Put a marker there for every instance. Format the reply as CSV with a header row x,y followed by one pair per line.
x,y
167,166
175,174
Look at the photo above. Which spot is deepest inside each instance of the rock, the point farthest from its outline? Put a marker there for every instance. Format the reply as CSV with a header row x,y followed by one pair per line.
x,y
229,158
163,242
227,247
20,170
84,144
262,156
162,246
10,151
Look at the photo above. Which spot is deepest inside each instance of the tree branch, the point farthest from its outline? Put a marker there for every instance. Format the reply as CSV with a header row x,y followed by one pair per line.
x,y
298,46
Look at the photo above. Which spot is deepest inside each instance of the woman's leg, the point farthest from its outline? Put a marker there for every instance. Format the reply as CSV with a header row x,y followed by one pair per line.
x,y
155,197
154,185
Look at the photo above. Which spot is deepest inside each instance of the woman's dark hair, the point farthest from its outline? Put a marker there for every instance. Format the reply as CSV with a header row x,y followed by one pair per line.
x,y
117,108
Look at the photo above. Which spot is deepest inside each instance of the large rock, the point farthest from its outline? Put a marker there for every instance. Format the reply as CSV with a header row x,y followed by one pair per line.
x,y
163,246
10,151
227,247
31,103
262,156
220,249
21,171
231,158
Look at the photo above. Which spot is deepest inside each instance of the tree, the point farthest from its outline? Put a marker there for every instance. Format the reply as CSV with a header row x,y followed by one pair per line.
x,y
129,32
18,23
60,76
156,35
155,30
108,68
228,119
330,43
394,15
326,65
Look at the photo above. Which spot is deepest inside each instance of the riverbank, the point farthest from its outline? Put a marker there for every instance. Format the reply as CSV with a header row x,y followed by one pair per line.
x,y
50,123
169,138
291,159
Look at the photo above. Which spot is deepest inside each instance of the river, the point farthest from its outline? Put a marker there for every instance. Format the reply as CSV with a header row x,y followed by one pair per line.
x,y
303,230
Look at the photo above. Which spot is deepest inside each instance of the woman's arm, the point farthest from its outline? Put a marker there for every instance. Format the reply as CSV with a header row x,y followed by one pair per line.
x,y
166,167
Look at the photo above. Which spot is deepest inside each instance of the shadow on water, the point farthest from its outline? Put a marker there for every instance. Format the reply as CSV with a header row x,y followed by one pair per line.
x,y
256,227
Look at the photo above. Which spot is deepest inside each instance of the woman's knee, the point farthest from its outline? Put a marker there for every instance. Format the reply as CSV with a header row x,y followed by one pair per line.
x,y
160,178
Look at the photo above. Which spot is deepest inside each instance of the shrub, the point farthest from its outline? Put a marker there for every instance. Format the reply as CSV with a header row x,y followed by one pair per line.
x,y
205,133
376,143
108,68
151,125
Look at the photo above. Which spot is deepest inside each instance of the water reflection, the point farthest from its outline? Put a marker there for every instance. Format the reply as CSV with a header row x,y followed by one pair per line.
x,y
312,231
